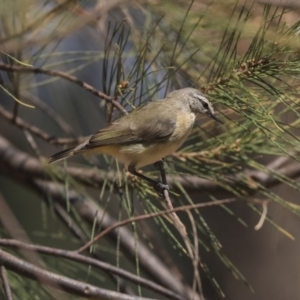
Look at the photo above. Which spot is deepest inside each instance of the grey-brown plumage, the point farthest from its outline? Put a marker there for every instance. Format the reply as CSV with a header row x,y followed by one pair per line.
x,y
148,133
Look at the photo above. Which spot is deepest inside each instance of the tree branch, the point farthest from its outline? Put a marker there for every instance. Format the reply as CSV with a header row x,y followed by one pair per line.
x,y
27,169
153,215
5,283
72,286
86,208
37,131
71,255
66,76
13,160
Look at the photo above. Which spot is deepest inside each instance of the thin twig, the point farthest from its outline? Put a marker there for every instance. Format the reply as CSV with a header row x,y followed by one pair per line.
x,y
151,216
66,76
195,258
7,290
37,131
178,224
182,230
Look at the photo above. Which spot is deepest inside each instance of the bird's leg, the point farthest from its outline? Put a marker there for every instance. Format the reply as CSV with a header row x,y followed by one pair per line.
x,y
160,166
153,182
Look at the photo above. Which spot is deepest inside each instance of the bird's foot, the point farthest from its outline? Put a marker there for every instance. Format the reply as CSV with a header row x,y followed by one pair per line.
x,y
163,186
160,187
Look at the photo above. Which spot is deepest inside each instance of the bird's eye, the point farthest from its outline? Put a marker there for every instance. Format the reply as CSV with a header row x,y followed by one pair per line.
x,y
205,105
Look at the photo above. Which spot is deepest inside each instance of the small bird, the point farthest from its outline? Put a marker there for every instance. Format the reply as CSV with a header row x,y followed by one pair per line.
x,y
148,133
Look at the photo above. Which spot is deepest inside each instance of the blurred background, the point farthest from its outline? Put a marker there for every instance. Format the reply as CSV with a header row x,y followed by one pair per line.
x,y
62,62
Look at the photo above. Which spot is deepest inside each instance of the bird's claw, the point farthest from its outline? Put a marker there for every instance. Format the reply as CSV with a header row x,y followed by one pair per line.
x,y
160,187
163,186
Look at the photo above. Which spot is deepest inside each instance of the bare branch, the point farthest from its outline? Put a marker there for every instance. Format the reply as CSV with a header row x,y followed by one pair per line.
x,y
13,160
66,76
25,168
71,255
37,131
72,286
5,283
86,208
153,215
16,231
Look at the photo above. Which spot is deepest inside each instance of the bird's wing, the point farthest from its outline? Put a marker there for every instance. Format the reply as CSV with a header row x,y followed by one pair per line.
x,y
138,127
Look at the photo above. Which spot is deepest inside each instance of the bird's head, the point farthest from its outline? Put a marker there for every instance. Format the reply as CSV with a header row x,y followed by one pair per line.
x,y
200,104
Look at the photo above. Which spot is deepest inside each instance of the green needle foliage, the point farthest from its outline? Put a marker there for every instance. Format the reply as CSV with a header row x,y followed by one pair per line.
x,y
248,68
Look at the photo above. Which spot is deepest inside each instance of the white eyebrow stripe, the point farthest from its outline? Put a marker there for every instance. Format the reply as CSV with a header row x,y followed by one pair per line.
x,y
200,97
204,99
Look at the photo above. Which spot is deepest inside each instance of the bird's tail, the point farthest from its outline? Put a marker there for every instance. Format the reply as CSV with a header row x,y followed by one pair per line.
x,y
61,155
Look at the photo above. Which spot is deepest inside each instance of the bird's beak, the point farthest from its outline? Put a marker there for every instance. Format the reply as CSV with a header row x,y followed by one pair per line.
x,y
215,117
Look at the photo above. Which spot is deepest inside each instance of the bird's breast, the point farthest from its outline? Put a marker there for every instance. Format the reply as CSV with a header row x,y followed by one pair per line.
x,y
184,126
